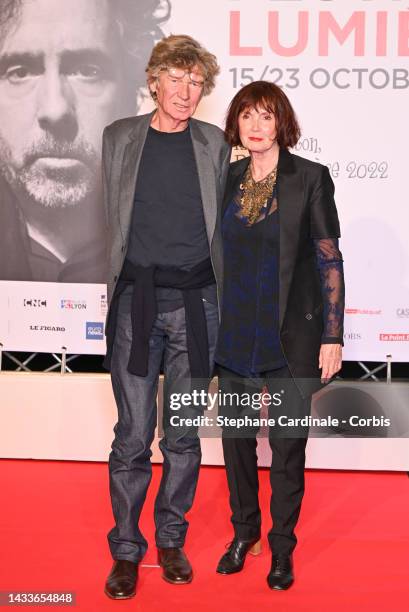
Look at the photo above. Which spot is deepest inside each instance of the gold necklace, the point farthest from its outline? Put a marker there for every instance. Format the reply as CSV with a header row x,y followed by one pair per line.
x,y
255,195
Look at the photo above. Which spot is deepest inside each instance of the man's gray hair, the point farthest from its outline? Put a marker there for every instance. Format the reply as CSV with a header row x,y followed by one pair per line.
x,y
182,51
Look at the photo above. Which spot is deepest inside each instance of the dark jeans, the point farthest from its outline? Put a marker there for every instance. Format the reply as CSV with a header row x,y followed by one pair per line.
x,y
287,467
130,469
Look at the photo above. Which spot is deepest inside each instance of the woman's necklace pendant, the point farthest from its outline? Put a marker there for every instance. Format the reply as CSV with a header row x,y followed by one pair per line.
x,y
255,195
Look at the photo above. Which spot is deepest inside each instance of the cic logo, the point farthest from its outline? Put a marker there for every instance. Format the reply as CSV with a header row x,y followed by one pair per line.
x,y
35,303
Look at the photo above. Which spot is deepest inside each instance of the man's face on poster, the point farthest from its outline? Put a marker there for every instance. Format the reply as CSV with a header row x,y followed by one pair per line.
x,y
58,89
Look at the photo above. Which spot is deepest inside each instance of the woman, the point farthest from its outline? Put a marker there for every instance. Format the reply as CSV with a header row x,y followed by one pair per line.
x,y
282,317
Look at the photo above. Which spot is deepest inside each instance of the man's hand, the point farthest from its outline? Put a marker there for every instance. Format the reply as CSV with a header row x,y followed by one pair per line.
x,y
330,360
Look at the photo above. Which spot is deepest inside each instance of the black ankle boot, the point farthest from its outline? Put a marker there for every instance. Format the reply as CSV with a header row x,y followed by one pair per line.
x,y
233,560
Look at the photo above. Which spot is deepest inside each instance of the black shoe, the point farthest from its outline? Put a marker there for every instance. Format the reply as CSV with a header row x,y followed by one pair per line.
x,y
121,582
233,560
176,566
281,574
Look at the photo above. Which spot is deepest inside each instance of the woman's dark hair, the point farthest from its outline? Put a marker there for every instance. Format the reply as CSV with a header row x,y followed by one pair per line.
x,y
263,94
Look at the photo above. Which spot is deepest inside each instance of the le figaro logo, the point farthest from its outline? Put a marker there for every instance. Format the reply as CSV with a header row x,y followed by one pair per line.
x,y
94,330
47,328
34,303
73,304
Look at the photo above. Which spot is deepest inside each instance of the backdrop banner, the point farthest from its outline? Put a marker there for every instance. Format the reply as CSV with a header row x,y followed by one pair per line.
x,y
66,71
45,317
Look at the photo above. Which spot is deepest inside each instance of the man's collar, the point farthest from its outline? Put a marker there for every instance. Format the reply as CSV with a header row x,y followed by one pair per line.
x,y
144,122
196,131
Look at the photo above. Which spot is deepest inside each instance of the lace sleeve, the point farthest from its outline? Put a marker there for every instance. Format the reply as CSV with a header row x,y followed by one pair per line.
x,y
329,261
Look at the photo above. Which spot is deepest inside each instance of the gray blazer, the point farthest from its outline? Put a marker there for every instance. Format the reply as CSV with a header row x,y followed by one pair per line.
x,y
122,146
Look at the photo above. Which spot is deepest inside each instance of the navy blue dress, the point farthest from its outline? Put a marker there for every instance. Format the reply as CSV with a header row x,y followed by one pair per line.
x,y
249,341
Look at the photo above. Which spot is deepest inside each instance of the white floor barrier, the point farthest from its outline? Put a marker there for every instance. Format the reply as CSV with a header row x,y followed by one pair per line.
x,y
71,417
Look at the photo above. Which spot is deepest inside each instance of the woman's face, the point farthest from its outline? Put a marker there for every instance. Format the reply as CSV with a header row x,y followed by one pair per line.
x,y
257,129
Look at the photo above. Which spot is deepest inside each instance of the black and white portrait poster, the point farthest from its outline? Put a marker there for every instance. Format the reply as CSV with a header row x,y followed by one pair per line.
x,y
67,69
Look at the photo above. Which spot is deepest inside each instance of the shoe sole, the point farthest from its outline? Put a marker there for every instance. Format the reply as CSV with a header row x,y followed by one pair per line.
x,y
235,571
177,581
277,588
120,596
280,588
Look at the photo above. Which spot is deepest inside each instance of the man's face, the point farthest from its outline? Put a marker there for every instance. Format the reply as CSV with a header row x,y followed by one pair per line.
x,y
58,89
178,92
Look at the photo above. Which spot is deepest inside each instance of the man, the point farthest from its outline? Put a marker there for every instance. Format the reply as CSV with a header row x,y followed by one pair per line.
x,y
164,179
66,70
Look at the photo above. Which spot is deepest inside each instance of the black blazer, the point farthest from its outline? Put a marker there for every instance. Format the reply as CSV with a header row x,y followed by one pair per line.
x,y
305,195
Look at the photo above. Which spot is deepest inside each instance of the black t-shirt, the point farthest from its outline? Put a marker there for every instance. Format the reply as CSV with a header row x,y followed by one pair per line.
x,y
168,226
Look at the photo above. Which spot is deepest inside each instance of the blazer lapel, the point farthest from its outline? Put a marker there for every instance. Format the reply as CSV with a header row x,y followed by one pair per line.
x,y
207,178
234,178
290,192
129,172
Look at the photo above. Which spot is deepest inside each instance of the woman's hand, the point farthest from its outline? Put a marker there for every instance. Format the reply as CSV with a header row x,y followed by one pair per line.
x,y
330,360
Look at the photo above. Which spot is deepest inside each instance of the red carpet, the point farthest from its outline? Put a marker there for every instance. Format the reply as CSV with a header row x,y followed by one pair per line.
x,y
353,551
